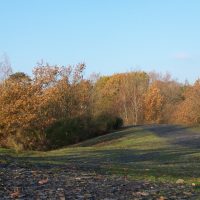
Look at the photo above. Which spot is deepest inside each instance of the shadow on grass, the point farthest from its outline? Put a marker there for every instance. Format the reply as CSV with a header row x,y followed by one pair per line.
x,y
174,162
177,135
136,163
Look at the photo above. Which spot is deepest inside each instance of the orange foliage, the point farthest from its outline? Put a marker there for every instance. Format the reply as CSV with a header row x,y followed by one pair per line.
x,y
188,111
153,104
60,97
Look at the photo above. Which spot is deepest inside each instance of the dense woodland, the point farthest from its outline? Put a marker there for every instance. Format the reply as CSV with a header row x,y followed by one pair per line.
x,y
58,106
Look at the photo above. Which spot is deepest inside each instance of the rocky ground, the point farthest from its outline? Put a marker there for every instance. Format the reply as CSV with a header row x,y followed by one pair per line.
x,y
25,181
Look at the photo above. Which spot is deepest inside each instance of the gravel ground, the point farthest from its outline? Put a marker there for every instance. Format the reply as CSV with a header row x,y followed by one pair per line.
x,y
19,181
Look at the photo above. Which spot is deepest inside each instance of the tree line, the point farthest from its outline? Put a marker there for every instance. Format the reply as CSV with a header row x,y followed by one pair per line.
x,y
58,106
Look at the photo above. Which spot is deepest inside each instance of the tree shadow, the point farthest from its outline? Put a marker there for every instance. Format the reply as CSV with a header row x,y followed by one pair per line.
x,y
160,162
177,135
166,161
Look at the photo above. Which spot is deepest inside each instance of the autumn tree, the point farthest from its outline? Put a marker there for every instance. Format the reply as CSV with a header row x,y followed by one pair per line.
x,y
102,98
64,89
171,92
30,105
19,109
133,88
57,106
122,94
153,105
188,112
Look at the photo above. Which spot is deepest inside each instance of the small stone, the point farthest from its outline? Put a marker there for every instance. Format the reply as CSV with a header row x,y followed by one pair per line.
x,y
187,193
43,181
87,196
60,189
80,196
144,194
180,181
162,198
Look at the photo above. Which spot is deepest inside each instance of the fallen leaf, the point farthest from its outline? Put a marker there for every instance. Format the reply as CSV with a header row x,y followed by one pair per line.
x,y
34,173
43,181
15,194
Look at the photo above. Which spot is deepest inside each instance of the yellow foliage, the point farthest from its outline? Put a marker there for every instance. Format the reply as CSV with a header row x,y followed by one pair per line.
x,y
153,104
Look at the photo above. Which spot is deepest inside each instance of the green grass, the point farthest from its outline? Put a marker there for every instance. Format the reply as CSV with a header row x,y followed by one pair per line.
x,y
196,129
140,153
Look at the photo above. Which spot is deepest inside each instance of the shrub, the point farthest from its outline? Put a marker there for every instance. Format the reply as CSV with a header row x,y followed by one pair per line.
x,y
118,123
68,131
21,140
106,122
71,131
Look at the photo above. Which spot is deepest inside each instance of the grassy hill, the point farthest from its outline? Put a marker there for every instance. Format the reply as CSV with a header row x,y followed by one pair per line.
x,y
153,152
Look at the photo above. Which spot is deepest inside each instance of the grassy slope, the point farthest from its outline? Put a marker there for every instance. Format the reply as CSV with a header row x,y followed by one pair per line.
x,y
138,152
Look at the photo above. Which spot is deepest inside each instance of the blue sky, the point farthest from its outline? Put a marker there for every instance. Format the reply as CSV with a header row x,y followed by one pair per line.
x,y
110,36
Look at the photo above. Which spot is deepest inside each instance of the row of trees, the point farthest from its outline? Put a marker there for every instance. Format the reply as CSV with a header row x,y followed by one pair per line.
x,y
57,106
50,109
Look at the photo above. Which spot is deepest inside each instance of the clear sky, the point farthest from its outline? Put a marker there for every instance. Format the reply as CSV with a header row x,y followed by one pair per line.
x,y
110,36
